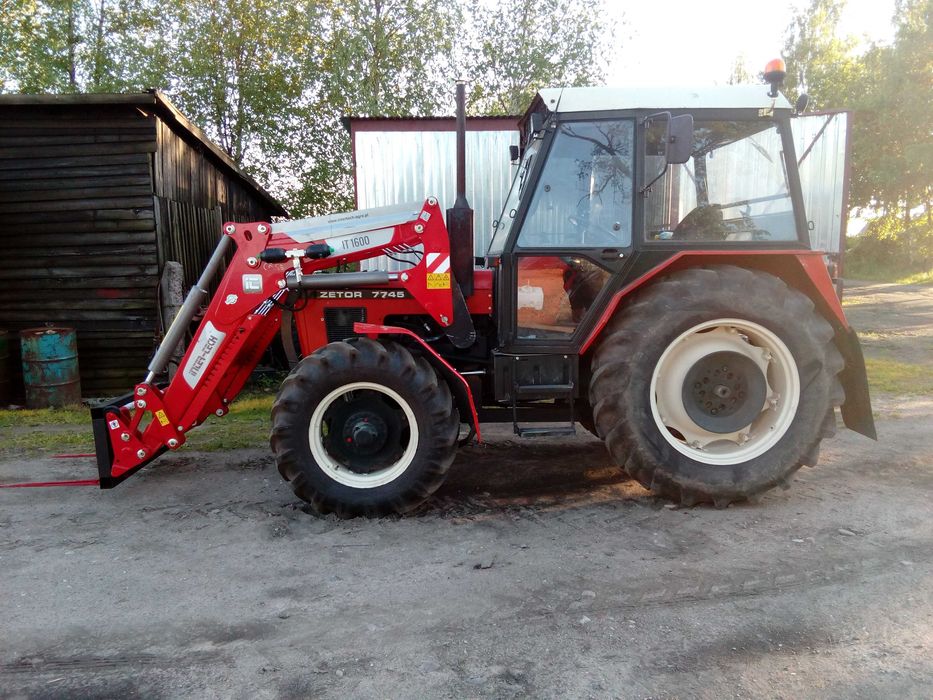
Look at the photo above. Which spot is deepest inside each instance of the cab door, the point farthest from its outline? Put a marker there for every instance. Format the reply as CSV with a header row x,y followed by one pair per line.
x,y
574,234
821,143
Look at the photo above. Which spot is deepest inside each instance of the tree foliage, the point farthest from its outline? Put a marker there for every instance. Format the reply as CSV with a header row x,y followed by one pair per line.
x,y
269,81
521,46
889,89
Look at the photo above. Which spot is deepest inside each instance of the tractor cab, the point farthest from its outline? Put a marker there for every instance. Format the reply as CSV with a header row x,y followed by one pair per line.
x,y
610,184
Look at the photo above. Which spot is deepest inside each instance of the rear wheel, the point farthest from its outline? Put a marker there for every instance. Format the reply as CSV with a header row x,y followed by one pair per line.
x,y
716,384
363,427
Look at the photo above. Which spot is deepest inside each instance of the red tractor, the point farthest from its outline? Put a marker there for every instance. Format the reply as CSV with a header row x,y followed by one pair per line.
x,y
650,278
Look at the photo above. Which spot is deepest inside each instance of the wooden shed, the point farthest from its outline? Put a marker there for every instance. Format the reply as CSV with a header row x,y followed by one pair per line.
x,y
97,192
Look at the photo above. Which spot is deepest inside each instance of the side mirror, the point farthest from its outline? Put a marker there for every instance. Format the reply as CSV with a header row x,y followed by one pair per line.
x,y
801,105
667,140
680,139
535,123
513,153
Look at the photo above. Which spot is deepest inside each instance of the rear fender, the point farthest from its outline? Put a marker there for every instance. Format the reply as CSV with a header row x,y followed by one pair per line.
x,y
805,271
458,385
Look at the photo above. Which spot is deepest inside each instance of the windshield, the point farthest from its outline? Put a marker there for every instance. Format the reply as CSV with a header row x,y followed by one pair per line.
x,y
502,227
734,188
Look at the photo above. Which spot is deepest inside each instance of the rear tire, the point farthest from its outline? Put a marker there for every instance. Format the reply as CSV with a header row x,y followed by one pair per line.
x,y
364,428
715,384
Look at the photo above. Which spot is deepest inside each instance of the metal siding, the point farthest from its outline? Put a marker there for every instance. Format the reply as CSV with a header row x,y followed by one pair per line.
x,y
404,166
822,175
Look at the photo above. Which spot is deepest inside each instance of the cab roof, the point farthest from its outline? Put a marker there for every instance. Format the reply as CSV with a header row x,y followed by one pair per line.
x,y
598,99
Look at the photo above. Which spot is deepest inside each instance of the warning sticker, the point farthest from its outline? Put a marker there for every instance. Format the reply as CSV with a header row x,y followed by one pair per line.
x,y
161,417
438,280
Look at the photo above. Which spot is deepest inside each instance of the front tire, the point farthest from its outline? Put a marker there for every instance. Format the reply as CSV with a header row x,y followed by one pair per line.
x,y
364,428
716,384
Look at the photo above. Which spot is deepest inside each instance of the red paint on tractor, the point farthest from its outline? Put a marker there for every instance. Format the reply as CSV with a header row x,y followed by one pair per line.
x,y
808,274
372,330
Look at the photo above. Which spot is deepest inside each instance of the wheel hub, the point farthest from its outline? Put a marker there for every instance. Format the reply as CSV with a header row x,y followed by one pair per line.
x,y
365,433
724,391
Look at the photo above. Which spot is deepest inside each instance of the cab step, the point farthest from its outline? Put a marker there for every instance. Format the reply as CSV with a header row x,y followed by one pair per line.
x,y
543,391
552,430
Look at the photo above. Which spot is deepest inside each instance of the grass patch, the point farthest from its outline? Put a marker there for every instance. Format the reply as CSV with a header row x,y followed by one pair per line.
x,y
891,275
893,377
925,277
52,431
28,417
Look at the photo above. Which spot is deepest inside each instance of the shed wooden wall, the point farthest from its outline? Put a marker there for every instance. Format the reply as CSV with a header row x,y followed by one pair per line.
x,y
77,233
93,200
194,198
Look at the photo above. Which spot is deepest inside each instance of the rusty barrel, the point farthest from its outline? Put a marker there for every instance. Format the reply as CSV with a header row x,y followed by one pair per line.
x,y
50,367
4,369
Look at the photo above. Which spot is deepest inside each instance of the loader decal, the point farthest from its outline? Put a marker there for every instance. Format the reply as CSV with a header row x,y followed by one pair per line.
x,y
438,280
208,342
361,241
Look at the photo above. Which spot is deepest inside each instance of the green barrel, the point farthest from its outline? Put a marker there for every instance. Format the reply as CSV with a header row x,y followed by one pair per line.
x,y
4,369
50,367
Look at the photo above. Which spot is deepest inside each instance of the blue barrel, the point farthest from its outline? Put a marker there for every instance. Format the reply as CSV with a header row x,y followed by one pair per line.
x,y
5,393
50,367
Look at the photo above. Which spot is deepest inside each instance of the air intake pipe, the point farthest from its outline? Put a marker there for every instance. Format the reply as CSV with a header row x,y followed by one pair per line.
x,y
460,217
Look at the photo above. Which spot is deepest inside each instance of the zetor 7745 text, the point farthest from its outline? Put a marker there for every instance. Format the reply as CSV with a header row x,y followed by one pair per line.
x,y
650,278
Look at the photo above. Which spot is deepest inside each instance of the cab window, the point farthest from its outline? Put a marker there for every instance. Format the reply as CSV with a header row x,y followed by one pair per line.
x,y
734,188
583,198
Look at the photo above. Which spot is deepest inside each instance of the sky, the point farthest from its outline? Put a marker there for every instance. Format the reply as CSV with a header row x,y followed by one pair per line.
x,y
696,42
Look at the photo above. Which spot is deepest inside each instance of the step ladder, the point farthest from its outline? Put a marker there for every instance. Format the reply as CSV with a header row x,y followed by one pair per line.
x,y
530,392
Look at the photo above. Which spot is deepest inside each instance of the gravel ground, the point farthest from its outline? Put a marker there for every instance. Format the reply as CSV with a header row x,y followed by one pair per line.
x,y
538,570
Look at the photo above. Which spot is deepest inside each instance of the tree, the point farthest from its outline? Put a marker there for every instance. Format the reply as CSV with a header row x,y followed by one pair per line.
x,y
739,74
380,57
523,45
819,61
889,88
79,45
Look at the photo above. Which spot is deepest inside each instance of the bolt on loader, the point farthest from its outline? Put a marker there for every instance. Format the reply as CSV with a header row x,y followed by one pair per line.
x,y
650,278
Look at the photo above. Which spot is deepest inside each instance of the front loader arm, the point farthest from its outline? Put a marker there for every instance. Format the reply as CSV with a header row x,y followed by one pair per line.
x,y
244,315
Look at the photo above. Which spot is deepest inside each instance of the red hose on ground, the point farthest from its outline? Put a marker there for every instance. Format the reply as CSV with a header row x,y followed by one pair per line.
x,y
37,484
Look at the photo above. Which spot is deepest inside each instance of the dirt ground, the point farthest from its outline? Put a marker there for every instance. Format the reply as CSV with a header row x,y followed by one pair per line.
x,y
538,570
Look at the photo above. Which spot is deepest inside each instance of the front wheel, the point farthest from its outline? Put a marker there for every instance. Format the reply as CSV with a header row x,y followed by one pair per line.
x,y
716,384
364,428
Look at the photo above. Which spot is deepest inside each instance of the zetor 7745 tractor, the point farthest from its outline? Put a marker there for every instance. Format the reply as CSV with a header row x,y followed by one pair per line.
x,y
650,278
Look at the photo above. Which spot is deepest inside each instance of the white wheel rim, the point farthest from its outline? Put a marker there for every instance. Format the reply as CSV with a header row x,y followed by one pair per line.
x,y
757,343
340,472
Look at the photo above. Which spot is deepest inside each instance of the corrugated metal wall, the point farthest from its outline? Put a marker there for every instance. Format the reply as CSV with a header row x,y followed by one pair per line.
x,y
820,142
393,167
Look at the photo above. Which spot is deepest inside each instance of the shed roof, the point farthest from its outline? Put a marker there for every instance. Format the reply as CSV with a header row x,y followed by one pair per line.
x,y
158,103
430,123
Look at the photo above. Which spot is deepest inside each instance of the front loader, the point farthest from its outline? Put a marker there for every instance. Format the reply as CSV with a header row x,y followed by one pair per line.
x,y
650,278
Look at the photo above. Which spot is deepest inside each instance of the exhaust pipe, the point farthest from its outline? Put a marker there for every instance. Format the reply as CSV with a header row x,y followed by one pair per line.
x,y
460,217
